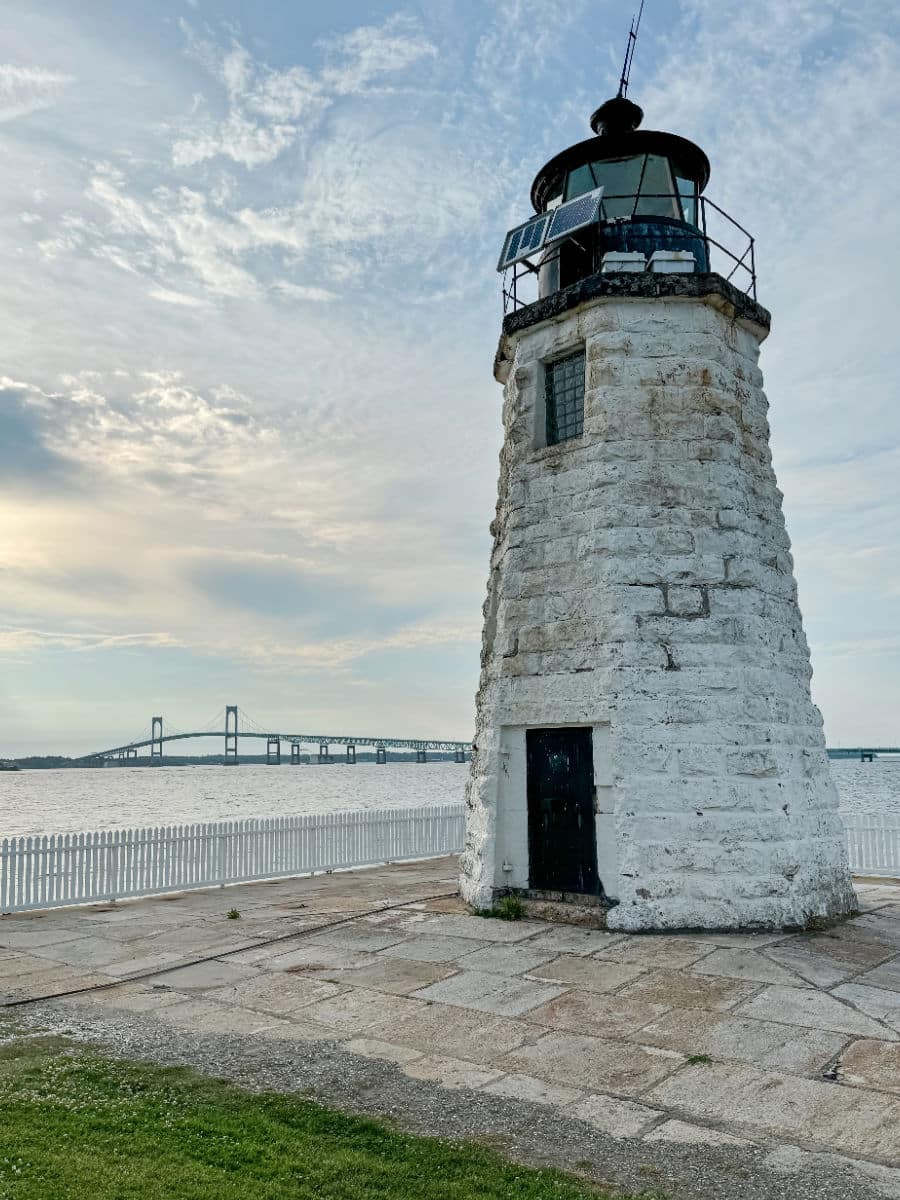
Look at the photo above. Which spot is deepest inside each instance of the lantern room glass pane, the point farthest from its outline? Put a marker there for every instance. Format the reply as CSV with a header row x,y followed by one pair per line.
x,y
580,180
658,198
687,190
564,393
620,179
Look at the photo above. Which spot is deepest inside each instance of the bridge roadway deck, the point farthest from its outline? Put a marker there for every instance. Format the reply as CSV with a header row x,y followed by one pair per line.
x,y
310,739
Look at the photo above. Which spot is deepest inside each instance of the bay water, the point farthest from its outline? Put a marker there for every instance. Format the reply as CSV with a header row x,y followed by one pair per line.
x,y
72,801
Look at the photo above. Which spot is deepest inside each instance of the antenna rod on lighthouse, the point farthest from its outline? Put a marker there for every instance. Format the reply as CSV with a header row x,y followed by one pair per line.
x,y
629,52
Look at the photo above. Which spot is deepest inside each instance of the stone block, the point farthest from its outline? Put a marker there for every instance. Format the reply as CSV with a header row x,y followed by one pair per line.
x,y
746,964
398,976
455,1032
616,1118
811,1009
515,959
872,1064
450,1072
359,1009
788,1107
386,1051
204,976
533,1091
589,974
495,994
681,990
730,1038
881,1004
593,1063
273,992
681,1133
597,1014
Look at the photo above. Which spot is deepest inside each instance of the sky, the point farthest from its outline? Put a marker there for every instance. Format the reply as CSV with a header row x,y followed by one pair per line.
x,y
248,312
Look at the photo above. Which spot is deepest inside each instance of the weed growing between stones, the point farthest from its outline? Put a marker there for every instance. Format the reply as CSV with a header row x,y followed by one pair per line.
x,y
507,908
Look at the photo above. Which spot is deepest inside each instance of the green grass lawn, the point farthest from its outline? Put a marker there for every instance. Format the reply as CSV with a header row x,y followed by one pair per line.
x,y
82,1127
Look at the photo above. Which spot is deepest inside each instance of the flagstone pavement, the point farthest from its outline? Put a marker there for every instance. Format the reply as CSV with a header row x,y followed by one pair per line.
x,y
791,1041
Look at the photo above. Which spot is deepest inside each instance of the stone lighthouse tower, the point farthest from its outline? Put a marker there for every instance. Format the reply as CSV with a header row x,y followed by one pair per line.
x,y
645,732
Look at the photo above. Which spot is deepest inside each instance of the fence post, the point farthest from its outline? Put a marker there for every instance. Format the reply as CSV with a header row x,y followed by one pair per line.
x,y
220,856
112,866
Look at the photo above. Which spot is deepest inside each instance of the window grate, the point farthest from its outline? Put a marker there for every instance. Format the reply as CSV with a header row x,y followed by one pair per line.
x,y
564,381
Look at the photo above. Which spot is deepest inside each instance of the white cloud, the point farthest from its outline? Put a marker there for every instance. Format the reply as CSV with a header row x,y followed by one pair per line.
x,y
25,90
167,296
269,109
20,641
370,52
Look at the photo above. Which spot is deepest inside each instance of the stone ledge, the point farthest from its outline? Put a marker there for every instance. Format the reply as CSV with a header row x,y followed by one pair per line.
x,y
709,287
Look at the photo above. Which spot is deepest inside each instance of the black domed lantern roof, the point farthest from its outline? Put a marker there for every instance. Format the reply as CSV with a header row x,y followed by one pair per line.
x,y
618,158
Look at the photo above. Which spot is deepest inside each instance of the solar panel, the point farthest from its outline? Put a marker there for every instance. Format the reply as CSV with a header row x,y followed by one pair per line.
x,y
524,240
584,210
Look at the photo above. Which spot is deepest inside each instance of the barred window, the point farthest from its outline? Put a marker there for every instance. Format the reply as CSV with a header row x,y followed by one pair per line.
x,y
564,382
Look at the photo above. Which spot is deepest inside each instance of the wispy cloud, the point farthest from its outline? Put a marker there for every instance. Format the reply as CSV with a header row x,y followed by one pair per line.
x,y
268,109
25,90
19,641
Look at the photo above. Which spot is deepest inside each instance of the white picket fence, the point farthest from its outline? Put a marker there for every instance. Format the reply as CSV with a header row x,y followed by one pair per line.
x,y
80,868
873,841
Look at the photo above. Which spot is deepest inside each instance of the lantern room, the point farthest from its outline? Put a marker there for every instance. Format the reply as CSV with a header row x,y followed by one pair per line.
x,y
651,187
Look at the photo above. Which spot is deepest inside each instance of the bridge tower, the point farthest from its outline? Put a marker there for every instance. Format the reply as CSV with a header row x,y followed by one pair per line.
x,y
645,733
156,742
231,733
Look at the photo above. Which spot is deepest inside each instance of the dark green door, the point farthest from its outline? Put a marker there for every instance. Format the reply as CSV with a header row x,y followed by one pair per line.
x,y
562,833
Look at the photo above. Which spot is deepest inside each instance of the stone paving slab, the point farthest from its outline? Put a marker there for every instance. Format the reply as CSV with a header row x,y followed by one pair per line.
x,y
683,989
620,1118
680,1133
572,939
598,1064
451,1072
595,1013
873,1065
774,1103
874,1002
438,948
276,993
591,974
748,965
512,959
812,965
813,1010
723,1036
798,1033
488,993
657,953
454,1032
399,976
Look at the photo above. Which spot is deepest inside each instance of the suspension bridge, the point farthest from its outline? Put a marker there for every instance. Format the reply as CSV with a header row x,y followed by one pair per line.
x,y
232,725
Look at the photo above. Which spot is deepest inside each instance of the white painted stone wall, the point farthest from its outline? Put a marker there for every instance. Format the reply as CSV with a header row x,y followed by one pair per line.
x,y
641,584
